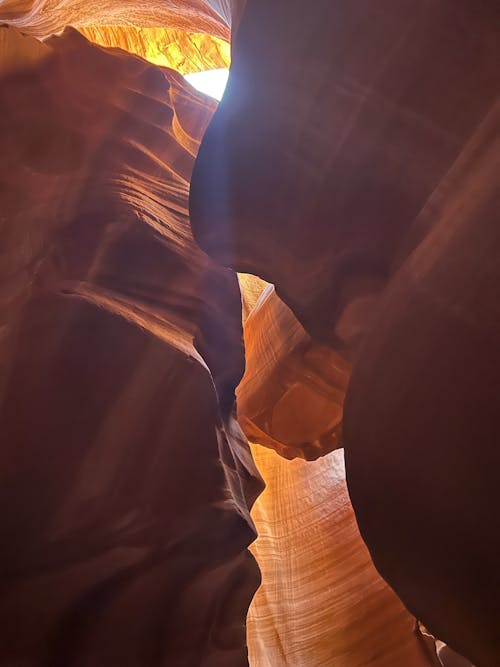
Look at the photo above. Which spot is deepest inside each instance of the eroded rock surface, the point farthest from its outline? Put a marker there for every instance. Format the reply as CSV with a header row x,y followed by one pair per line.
x,y
125,480
321,601
349,138
337,124
292,394
421,434
42,18
354,140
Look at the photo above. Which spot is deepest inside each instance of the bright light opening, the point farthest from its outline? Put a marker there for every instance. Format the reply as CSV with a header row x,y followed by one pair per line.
x,y
212,82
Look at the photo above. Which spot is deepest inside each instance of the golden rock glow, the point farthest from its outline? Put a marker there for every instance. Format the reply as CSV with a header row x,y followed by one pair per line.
x,y
321,601
185,52
42,18
354,149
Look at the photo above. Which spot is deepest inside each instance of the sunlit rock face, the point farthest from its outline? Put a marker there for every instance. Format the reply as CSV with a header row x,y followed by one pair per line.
x,y
186,35
321,601
42,18
125,481
293,390
183,51
351,163
334,155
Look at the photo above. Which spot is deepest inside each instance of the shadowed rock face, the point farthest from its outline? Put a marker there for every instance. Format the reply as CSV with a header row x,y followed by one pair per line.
x,y
349,136
337,125
353,164
421,434
125,481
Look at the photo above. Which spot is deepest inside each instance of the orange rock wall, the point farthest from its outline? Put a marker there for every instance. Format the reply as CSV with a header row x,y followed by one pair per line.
x,y
321,601
125,481
353,164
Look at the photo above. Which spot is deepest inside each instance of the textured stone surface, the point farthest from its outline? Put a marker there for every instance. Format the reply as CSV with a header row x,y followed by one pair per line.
x,y
355,139
293,390
336,126
186,35
338,147
178,49
125,481
321,601
422,434
45,17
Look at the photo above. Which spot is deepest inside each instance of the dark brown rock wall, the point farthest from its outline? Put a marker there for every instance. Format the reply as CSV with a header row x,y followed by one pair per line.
x,y
125,481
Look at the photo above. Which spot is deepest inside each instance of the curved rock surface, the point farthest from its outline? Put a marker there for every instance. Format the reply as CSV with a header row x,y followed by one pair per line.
x,y
178,49
42,18
321,601
293,390
355,148
125,481
337,125
422,434
341,135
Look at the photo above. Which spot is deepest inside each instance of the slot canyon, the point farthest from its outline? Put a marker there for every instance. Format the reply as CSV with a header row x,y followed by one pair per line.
x,y
250,348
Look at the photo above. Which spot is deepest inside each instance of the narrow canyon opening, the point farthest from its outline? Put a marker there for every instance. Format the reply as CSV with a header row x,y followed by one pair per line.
x,y
249,334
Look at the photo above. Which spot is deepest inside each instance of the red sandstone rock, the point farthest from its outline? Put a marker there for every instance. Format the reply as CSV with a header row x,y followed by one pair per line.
x,y
421,417
321,601
42,18
338,123
124,480
338,147
293,390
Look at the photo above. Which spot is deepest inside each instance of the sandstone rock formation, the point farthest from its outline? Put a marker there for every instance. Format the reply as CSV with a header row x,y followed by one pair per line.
x,y
337,125
434,531
292,394
42,18
321,600
125,481
353,164
178,49
324,168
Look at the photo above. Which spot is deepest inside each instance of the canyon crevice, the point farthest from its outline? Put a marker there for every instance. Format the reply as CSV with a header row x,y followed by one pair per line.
x,y
205,308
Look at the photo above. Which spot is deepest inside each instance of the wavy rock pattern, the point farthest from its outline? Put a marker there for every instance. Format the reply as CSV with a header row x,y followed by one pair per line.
x,y
251,288
42,18
292,394
186,36
321,601
354,149
337,125
125,481
352,135
180,50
